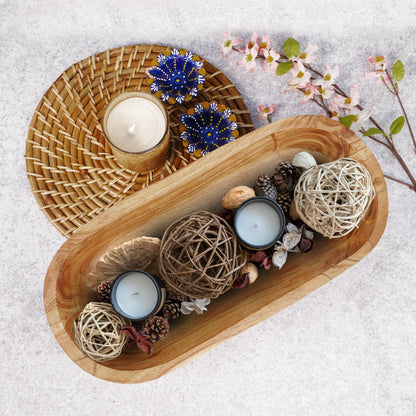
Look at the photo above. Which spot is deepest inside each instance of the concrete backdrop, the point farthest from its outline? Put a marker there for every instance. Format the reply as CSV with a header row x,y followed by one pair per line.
x,y
346,349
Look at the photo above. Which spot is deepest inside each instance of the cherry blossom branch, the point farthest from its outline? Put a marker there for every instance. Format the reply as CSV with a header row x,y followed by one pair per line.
x,y
321,88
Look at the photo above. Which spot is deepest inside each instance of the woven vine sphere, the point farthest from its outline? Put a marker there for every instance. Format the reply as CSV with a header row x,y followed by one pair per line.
x,y
200,256
333,198
97,331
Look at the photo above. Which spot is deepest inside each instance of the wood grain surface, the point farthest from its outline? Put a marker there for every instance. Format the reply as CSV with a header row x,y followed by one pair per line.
x,y
200,186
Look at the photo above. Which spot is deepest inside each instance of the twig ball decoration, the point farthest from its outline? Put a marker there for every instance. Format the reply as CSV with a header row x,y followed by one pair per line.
x,y
200,256
97,332
334,197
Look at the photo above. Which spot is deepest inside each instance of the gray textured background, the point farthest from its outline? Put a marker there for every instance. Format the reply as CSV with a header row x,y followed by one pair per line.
x,y
346,349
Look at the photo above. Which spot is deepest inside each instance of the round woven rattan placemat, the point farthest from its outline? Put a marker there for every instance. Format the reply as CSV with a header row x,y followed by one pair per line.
x,y
72,172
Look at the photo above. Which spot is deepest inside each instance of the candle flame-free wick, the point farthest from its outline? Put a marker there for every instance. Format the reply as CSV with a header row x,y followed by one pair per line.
x,y
135,294
132,129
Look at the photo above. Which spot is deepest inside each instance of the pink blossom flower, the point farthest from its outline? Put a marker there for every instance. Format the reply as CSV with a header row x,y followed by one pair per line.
x,y
253,42
360,117
265,111
265,44
307,56
326,92
270,60
228,42
330,75
249,59
380,76
300,76
335,115
378,63
309,92
340,101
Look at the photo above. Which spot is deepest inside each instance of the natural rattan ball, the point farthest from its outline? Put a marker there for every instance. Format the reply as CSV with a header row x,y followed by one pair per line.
x,y
333,198
200,256
97,331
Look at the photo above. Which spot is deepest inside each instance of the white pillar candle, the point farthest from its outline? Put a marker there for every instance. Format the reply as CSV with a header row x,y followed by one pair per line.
x,y
136,295
259,222
136,125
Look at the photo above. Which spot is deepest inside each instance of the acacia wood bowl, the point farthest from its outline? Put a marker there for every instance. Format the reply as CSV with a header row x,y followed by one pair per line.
x,y
200,186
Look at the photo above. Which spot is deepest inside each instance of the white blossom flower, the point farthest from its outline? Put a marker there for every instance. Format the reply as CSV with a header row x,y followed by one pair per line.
x,y
195,305
330,75
270,60
360,117
300,76
307,56
228,42
249,59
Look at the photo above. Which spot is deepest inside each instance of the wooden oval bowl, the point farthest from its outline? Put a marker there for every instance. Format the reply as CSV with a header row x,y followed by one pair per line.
x,y
200,186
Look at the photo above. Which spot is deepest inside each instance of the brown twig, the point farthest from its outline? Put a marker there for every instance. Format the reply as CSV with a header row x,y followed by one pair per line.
x,y
413,188
396,91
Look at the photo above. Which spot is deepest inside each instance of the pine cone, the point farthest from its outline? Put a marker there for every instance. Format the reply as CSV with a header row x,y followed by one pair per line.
x,y
286,176
171,309
104,290
157,327
284,199
264,186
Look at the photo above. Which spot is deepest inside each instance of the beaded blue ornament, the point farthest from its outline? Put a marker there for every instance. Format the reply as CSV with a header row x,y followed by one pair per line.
x,y
177,75
207,127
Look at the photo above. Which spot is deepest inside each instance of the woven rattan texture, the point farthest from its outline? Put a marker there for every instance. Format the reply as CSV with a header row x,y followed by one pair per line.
x,y
72,172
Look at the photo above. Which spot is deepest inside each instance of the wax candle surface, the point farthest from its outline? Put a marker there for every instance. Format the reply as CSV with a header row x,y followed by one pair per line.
x,y
136,295
258,223
136,125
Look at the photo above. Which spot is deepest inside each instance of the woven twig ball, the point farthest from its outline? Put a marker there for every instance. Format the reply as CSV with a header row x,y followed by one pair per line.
x,y
200,256
97,331
333,198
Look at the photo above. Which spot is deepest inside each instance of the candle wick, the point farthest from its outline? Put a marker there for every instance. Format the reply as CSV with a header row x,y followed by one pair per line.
x,y
132,129
135,294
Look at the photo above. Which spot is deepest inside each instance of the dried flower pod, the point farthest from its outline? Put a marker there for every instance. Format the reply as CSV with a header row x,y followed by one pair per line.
x,y
236,196
258,257
251,270
279,256
306,244
241,282
140,338
266,264
291,240
227,215
303,160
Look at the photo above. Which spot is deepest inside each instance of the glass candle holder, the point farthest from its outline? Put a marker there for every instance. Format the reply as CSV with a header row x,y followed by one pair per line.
x,y
259,223
136,126
136,295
